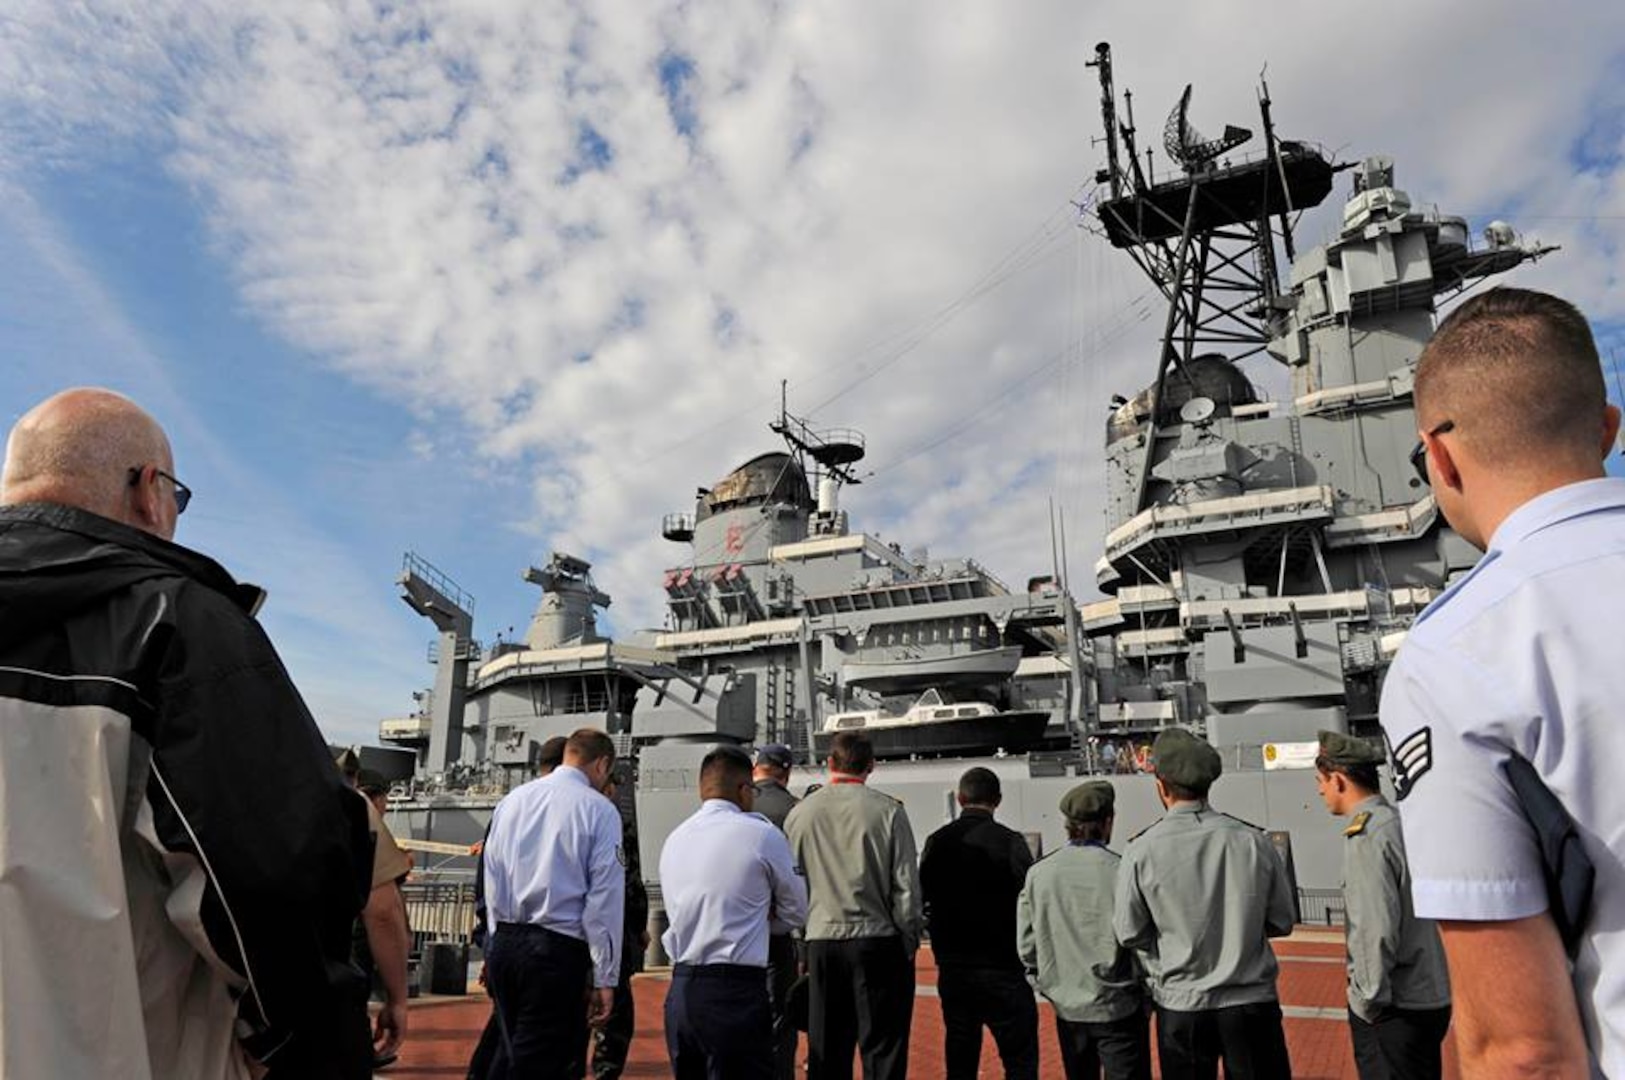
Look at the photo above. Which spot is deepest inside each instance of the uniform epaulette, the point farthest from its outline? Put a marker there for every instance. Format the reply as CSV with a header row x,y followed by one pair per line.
x,y
1145,830
1358,823
1244,821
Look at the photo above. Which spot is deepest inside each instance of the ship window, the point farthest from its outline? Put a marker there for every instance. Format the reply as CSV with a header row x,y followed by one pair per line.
x,y
968,710
845,722
943,714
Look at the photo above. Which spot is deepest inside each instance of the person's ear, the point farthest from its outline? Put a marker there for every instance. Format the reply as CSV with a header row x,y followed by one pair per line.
x,y
1610,429
1443,469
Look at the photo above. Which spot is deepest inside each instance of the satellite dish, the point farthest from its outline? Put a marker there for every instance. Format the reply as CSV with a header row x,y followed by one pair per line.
x,y
1197,410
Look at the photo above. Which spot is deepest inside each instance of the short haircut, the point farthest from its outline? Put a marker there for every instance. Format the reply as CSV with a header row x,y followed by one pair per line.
x,y
1183,793
550,755
1517,372
851,752
1092,829
1364,776
979,787
587,745
724,768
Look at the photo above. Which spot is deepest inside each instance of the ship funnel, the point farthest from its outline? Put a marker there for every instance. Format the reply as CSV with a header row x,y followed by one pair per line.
x,y
829,495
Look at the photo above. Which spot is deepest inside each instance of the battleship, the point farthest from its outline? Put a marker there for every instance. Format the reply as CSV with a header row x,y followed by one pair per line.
x,y
1264,553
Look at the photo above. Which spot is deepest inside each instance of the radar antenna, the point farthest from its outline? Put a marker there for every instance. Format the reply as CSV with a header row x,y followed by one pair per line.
x,y
1189,147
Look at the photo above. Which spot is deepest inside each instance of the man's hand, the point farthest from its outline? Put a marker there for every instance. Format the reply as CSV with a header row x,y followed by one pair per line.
x,y
599,1002
389,1029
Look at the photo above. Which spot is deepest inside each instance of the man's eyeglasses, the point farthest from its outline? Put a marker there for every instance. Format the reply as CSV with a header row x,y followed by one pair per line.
x,y
183,494
1419,455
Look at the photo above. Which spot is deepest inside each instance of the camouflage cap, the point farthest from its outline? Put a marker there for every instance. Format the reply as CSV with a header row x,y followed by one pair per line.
x,y
1090,801
1185,760
1345,751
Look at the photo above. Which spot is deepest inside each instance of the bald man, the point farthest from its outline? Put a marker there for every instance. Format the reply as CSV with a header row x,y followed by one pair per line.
x,y
1507,692
180,864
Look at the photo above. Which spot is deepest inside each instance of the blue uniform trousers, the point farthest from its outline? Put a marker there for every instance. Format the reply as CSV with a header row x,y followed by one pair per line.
x,y
719,1024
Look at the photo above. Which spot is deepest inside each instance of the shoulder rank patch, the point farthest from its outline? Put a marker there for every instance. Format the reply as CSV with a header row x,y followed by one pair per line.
x,y
1358,823
1412,758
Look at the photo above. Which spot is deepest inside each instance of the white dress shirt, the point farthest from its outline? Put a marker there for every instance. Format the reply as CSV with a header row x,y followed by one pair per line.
x,y
1522,656
724,875
554,859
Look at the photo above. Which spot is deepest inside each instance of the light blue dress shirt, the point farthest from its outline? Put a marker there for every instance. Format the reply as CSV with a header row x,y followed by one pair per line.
x,y
724,876
553,859
1523,655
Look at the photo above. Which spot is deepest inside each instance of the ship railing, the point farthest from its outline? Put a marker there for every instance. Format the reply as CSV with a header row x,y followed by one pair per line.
x,y
413,563
1323,907
439,910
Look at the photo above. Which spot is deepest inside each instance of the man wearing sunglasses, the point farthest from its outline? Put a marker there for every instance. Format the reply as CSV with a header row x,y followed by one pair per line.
x,y
182,863
1508,692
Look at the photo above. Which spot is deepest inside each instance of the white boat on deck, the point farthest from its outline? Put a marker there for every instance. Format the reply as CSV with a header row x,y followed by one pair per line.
x,y
934,726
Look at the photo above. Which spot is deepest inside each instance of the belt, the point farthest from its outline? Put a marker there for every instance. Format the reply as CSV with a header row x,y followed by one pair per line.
x,y
737,972
533,930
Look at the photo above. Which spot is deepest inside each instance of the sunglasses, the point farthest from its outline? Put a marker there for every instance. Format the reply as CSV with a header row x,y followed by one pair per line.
x,y
183,494
1419,454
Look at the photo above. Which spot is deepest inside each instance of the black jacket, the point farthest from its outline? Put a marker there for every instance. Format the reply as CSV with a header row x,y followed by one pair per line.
x,y
262,857
971,873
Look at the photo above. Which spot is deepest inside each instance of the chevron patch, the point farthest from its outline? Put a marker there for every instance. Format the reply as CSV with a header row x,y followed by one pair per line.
x,y
1411,759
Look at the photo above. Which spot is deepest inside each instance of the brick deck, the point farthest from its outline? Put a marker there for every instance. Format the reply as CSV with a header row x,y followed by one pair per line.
x,y
443,1030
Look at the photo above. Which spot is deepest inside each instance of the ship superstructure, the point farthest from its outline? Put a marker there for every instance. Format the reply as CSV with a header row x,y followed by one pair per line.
x,y
1265,549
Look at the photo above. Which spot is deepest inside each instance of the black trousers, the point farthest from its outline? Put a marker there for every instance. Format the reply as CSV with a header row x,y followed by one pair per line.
x,y
1403,1045
862,997
612,1042
783,967
1121,1047
999,999
1248,1038
538,979
719,1025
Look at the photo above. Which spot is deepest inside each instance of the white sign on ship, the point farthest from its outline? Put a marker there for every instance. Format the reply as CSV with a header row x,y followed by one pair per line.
x,y
1290,755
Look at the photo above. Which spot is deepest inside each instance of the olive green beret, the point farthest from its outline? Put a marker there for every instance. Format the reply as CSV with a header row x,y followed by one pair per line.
x,y
1089,801
1185,760
1344,751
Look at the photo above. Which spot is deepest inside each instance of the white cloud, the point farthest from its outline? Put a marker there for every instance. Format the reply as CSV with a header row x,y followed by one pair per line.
x,y
492,213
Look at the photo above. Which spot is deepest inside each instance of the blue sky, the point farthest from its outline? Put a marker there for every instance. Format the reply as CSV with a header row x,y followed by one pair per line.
x,y
485,281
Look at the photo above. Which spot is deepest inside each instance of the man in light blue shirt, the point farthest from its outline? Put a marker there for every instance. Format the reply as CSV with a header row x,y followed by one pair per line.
x,y
727,878
1516,666
555,890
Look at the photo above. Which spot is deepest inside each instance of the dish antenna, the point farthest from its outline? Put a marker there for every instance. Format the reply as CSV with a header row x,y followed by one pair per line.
x,y
1198,410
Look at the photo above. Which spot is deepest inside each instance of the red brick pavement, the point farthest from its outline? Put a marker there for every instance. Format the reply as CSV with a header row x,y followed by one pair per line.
x,y
442,1031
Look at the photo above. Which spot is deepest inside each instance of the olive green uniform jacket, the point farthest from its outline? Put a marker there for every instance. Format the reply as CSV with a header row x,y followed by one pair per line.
x,y
1064,936
1199,895
857,851
1395,960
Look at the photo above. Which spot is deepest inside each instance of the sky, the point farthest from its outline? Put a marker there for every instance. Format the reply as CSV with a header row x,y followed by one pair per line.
x,y
486,279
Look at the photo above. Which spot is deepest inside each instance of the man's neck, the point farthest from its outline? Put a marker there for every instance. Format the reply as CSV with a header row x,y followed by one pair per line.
x,y
975,809
848,778
1508,495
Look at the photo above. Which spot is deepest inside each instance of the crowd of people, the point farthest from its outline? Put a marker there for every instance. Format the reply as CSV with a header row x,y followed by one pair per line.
x,y
188,883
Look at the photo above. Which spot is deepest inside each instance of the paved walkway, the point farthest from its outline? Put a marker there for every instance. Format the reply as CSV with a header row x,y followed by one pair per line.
x,y
443,1030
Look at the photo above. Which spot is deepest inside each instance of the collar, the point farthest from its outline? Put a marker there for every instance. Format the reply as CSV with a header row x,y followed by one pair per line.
x,y
719,806
1086,843
1556,506
975,811
1370,802
768,781
175,557
572,774
846,778
1189,807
